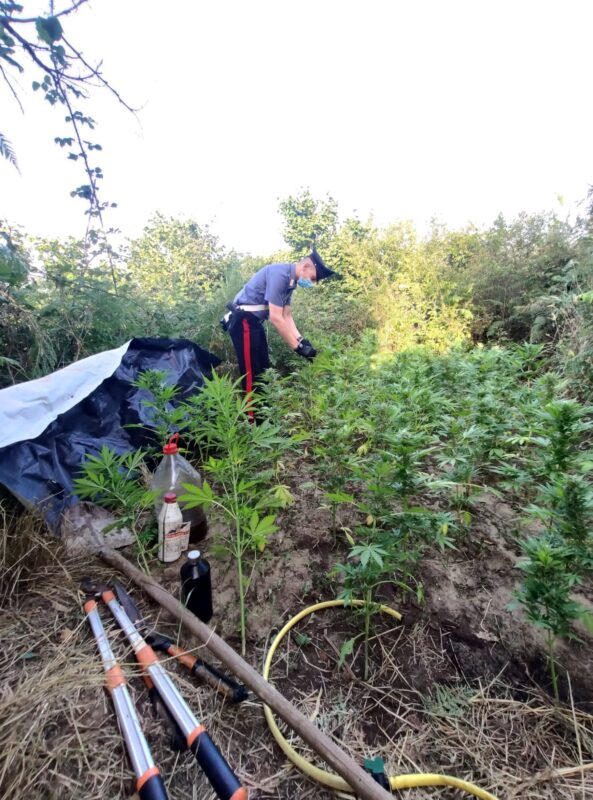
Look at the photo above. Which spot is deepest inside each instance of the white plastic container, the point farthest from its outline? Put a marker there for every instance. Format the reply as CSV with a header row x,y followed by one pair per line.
x,y
170,475
173,531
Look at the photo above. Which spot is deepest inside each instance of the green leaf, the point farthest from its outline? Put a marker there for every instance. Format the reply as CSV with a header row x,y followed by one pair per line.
x,y
302,639
49,29
197,495
243,486
345,651
347,595
8,40
587,618
13,269
60,54
283,496
253,522
6,57
261,529
339,497
265,526
585,297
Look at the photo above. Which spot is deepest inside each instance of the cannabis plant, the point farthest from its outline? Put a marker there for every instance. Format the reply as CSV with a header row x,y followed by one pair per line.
x,y
563,497
564,505
164,416
334,447
115,482
369,566
563,424
544,594
239,460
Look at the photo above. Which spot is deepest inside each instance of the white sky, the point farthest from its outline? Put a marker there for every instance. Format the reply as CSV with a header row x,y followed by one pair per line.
x,y
402,109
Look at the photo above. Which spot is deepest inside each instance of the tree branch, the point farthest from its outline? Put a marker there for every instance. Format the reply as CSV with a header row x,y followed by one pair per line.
x,y
67,76
11,87
29,20
95,73
74,54
32,51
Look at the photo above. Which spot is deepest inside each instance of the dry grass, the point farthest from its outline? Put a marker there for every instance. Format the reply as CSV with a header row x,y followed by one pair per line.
x,y
58,732
59,736
529,748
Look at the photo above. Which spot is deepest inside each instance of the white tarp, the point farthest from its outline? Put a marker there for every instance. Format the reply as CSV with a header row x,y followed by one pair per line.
x,y
28,408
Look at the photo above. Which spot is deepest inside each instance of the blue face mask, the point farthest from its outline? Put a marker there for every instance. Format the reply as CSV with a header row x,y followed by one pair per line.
x,y
305,283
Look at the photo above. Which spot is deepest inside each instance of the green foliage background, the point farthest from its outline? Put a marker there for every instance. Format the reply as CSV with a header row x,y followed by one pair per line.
x,y
450,365
522,280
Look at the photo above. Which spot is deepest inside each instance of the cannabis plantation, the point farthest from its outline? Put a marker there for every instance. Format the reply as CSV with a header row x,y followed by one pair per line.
x,y
452,488
399,530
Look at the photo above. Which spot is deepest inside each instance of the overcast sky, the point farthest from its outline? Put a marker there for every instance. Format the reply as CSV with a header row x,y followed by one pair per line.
x,y
399,109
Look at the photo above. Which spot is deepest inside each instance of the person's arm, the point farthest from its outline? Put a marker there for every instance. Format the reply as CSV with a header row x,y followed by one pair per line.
x,y
287,314
281,319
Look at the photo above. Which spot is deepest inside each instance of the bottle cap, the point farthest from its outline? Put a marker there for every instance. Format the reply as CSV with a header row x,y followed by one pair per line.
x,y
170,497
193,555
170,449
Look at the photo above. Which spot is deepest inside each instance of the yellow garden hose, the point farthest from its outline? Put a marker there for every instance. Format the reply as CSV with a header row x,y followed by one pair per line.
x,y
329,779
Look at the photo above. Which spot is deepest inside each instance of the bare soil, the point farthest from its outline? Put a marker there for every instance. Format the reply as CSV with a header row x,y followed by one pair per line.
x,y
459,687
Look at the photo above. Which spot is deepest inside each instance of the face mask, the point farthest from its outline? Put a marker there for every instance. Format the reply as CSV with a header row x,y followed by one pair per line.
x,y
305,283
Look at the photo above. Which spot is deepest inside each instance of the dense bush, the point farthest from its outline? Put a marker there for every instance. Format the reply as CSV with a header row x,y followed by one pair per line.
x,y
572,304
528,279
69,299
510,267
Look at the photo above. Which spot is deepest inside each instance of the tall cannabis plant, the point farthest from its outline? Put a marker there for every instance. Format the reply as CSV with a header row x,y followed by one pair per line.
x,y
239,460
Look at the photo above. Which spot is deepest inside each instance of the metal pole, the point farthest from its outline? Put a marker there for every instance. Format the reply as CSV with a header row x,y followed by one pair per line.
x,y
222,778
149,783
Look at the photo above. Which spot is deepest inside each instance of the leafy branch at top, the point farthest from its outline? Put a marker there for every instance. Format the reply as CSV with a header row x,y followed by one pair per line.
x,y
66,76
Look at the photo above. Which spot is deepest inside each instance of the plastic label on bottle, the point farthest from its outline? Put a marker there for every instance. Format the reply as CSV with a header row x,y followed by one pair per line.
x,y
175,541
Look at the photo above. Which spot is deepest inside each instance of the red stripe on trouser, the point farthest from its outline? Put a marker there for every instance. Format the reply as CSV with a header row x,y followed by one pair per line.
x,y
248,367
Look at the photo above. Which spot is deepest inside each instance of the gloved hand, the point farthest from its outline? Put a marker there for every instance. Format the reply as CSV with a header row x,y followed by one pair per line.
x,y
306,349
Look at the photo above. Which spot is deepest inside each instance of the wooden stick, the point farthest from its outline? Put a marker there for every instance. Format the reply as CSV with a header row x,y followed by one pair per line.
x,y
361,782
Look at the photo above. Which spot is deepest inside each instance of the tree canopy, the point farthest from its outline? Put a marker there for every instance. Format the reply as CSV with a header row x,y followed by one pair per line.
x,y
176,259
308,222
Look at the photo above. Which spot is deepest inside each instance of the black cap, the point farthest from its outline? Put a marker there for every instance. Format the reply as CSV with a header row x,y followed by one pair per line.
x,y
320,268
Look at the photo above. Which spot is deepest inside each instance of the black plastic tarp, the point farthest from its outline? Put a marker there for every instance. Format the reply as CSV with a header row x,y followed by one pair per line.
x,y
40,471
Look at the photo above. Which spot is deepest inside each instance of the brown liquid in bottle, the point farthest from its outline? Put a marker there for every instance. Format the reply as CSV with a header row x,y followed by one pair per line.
x,y
198,524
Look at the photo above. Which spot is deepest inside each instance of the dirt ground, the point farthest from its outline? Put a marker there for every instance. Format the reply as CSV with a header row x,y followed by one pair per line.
x,y
459,687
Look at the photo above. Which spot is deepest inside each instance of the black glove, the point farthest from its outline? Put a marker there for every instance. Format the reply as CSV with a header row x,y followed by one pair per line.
x,y
306,349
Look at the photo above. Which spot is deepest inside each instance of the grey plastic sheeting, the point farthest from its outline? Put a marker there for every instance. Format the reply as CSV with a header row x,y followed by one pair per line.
x,y
39,467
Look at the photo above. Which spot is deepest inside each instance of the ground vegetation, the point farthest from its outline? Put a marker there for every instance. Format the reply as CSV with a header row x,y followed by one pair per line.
x,y
435,457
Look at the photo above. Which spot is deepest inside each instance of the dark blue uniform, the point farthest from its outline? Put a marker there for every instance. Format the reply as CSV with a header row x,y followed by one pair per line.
x,y
274,284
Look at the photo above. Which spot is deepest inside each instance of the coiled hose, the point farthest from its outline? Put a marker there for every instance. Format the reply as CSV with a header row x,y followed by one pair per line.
x,y
329,779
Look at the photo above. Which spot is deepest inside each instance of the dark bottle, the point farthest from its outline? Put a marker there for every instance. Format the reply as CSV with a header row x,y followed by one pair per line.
x,y
196,587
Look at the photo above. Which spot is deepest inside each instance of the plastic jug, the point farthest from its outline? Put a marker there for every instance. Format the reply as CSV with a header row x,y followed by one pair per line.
x,y
170,475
